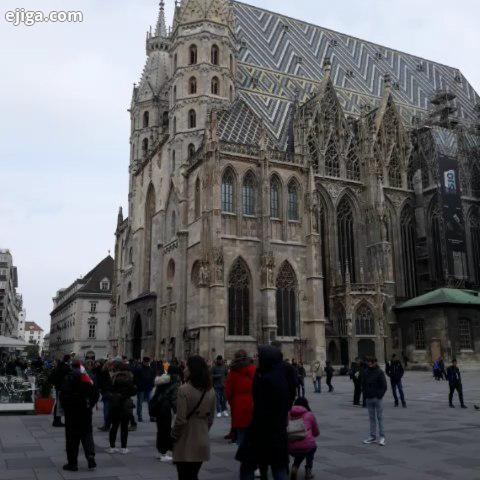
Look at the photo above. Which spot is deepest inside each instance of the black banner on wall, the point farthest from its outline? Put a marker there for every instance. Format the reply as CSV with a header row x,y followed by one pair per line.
x,y
451,207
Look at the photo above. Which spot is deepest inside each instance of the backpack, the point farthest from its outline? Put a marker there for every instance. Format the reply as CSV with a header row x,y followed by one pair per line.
x,y
296,430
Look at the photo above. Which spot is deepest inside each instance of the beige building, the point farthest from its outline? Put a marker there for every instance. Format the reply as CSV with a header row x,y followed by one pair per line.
x,y
33,334
291,182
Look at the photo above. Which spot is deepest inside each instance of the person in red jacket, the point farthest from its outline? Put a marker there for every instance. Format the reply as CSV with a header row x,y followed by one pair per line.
x,y
238,390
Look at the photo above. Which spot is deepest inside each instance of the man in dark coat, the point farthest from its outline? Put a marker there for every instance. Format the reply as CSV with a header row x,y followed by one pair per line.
x,y
395,372
455,383
374,388
78,396
355,377
144,376
56,378
291,375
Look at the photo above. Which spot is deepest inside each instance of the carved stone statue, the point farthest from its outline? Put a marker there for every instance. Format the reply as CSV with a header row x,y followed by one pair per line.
x,y
267,264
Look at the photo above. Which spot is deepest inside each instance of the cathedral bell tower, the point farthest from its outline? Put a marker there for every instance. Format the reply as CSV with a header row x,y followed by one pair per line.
x,y
202,55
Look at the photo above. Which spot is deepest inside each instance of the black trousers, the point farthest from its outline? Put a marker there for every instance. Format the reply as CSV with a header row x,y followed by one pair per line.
x,y
329,383
78,428
357,391
188,470
459,389
164,429
121,421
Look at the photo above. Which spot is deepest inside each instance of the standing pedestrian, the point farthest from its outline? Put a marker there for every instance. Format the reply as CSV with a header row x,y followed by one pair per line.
x,y
195,414
56,378
78,396
395,371
239,392
374,388
290,373
317,376
329,375
301,379
354,374
104,385
219,374
144,376
121,406
455,383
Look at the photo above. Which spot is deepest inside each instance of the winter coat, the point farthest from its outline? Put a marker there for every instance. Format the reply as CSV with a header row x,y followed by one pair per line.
x,y
395,371
191,438
219,373
374,383
329,371
239,393
453,376
78,394
291,375
311,427
123,389
164,400
144,378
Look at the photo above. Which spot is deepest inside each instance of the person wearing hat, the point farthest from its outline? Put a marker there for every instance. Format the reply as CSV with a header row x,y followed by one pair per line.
x,y
144,376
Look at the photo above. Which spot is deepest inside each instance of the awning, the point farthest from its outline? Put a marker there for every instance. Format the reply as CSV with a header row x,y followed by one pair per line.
x,y
10,342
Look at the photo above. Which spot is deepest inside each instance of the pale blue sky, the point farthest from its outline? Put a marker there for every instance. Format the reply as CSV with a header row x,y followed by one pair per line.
x,y
65,90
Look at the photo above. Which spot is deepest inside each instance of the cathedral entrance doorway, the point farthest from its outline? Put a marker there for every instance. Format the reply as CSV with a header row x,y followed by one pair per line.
x,y
137,338
344,353
366,348
332,354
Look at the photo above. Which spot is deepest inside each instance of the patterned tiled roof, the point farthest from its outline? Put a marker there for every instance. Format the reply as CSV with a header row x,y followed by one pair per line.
x,y
281,58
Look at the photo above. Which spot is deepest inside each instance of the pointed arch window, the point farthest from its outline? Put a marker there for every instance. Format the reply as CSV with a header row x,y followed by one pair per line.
x,y
346,239
145,147
174,93
215,87
149,213
197,198
192,85
175,61
239,299
228,182
394,171
465,334
172,166
192,51
353,164
293,201
173,225
191,151
214,54
286,300
146,118
474,227
275,196
174,125
436,229
408,235
340,320
165,119
192,119
364,322
332,162
248,194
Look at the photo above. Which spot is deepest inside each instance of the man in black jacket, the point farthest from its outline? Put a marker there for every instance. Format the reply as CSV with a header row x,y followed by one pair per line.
x,y
355,377
56,378
290,374
374,388
395,372
144,376
455,383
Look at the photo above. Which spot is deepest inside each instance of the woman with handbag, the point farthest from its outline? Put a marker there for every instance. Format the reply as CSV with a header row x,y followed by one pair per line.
x,y
121,406
302,431
195,414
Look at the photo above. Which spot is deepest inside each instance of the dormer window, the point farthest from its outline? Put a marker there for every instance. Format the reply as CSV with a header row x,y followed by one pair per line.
x,y
105,285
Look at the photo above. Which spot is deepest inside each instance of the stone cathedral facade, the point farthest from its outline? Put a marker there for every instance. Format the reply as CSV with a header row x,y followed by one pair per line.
x,y
285,182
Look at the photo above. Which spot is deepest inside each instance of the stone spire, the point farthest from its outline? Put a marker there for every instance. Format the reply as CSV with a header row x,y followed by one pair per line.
x,y
120,217
161,28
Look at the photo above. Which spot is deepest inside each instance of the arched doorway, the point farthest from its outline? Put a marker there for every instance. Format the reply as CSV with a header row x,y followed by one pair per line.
x,y
366,348
137,338
344,354
333,352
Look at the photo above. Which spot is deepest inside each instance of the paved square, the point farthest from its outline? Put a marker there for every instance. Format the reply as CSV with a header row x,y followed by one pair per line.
x,y
425,441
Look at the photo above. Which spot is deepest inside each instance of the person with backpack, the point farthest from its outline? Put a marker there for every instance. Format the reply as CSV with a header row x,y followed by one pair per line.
x,y
160,407
121,406
78,396
395,372
195,415
455,383
329,374
302,431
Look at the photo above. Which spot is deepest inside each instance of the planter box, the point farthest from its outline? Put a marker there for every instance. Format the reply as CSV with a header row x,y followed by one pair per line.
x,y
44,406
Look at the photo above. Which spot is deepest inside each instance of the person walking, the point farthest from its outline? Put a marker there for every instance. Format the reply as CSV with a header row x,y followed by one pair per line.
x,y
455,383
144,376
266,442
301,379
161,406
329,375
195,415
78,396
355,377
395,371
374,388
219,374
121,406
316,369
303,448
239,393
104,385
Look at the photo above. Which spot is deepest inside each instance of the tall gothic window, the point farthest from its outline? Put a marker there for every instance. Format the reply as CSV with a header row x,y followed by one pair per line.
x,y
192,86
215,87
214,55
197,198
340,320
175,61
239,299
286,301
248,194
394,171
172,166
275,197
145,147
149,213
292,201
322,228
364,322
165,120
192,119
228,192
146,119
346,240
419,334
436,228
353,165
474,227
407,228
332,162
174,93
464,334
192,54
191,150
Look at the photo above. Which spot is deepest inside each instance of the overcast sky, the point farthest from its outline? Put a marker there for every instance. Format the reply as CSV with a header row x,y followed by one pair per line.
x,y
65,90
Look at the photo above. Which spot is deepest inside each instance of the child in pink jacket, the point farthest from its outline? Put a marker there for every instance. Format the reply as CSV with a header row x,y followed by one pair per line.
x,y
303,449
